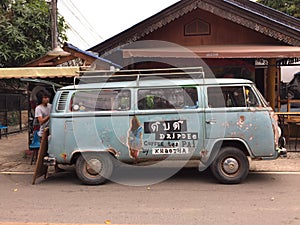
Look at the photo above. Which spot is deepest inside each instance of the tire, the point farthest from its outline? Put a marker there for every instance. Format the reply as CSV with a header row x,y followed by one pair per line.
x,y
231,166
94,168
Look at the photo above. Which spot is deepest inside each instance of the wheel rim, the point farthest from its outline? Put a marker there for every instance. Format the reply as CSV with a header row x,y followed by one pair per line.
x,y
93,167
230,166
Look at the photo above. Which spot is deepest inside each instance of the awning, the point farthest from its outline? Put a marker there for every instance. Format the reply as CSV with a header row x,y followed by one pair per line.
x,y
86,57
38,72
216,51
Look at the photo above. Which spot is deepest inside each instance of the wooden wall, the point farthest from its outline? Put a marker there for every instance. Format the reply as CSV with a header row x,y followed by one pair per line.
x,y
222,32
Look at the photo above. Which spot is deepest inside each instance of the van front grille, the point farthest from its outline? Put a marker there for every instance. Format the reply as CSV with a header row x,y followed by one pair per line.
x,y
62,101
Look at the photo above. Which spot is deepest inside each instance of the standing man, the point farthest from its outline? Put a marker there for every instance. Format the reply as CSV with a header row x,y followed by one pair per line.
x,y
42,114
42,111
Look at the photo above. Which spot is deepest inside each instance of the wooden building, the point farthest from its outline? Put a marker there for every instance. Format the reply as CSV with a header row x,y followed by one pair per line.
x,y
232,37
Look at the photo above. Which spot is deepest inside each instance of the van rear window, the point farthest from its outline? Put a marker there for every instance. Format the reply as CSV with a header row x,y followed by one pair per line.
x,y
101,100
168,98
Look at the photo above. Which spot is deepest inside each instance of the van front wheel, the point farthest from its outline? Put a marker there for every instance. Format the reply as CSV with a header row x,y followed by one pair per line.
x,y
231,166
94,168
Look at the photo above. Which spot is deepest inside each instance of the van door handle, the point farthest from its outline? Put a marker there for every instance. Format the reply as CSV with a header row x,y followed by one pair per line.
x,y
212,121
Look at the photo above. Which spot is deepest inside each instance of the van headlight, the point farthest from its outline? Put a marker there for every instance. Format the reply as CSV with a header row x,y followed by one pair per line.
x,y
281,139
279,131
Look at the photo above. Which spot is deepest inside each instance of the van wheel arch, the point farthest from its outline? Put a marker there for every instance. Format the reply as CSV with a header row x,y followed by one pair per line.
x,y
76,155
74,158
237,144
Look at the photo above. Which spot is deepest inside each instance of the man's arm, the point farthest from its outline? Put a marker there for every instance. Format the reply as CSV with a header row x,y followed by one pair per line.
x,y
43,120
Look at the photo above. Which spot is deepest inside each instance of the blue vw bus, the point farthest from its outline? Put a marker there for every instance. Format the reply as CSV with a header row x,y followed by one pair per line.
x,y
155,115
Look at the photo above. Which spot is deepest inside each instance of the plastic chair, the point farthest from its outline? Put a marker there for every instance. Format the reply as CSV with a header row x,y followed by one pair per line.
x,y
35,146
4,128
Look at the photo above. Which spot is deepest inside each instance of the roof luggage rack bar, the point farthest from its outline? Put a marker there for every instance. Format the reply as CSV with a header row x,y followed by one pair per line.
x,y
123,75
144,70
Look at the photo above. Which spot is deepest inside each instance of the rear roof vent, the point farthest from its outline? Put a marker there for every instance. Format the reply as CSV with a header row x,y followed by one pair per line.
x,y
62,101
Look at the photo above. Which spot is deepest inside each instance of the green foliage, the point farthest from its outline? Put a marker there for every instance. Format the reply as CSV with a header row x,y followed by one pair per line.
x,y
62,27
25,31
291,7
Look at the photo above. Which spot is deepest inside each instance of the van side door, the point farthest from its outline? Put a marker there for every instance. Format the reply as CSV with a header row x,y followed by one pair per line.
x,y
170,121
92,120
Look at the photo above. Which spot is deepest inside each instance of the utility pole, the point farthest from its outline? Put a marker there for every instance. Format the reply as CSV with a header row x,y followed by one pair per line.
x,y
54,31
56,49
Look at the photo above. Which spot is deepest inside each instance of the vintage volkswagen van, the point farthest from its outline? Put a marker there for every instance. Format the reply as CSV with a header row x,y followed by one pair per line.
x,y
133,117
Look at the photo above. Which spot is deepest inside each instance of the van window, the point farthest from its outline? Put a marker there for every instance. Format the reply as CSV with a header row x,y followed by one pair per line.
x,y
167,98
251,98
219,97
101,100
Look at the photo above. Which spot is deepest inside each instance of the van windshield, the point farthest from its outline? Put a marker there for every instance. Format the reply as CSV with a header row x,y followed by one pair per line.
x,y
233,96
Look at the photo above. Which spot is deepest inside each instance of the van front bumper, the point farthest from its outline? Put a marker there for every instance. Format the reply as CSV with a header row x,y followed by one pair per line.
x,y
281,152
49,161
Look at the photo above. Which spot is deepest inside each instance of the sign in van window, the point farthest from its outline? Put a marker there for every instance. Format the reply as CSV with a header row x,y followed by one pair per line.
x,y
168,98
101,100
219,97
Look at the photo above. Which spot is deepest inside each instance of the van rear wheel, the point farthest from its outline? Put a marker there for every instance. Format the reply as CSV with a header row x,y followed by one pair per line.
x,y
231,166
94,168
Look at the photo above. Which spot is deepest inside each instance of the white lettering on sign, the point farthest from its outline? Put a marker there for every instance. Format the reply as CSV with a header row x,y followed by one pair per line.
x,y
169,151
176,136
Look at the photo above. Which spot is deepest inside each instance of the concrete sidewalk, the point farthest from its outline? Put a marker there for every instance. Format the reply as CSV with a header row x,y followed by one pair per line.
x,y
13,158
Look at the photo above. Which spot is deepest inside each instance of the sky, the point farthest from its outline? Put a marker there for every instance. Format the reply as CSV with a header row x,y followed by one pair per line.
x,y
93,21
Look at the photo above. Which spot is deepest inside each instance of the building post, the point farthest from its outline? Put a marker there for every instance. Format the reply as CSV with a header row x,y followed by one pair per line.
x,y
271,82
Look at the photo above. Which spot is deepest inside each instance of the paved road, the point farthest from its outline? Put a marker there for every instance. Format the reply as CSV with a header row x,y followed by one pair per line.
x,y
189,197
186,198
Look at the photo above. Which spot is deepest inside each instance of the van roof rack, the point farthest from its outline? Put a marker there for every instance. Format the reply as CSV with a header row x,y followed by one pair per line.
x,y
95,76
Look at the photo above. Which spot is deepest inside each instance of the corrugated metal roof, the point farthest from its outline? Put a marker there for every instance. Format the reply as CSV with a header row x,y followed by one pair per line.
x,y
87,58
267,12
89,53
38,72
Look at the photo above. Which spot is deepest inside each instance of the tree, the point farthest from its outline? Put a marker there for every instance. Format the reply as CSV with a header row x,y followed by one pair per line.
x,y
25,31
291,7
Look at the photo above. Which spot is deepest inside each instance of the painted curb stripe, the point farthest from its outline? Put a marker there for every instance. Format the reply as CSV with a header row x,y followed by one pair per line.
x,y
277,172
29,223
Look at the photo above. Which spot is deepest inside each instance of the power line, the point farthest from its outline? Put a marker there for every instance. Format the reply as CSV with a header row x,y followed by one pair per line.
x,y
81,19
74,31
80,30
87,22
